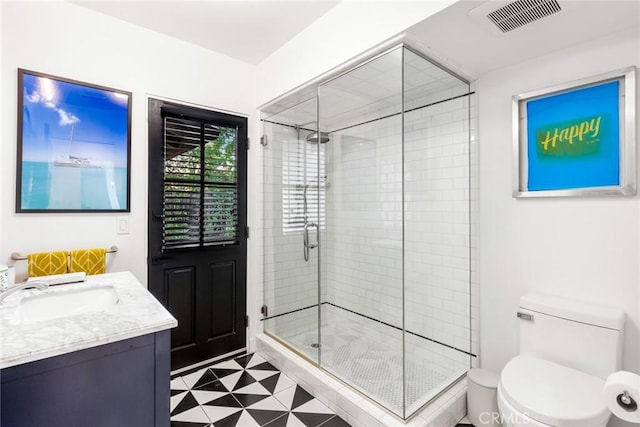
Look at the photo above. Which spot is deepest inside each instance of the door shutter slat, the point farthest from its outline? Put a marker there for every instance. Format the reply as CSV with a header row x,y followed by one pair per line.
x,y
200,200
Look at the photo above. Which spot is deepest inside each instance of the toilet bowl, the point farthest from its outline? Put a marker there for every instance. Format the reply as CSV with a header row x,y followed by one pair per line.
x,y
567,349
539,393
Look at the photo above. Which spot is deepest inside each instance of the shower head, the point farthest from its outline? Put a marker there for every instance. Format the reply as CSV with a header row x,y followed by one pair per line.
x,y
322,138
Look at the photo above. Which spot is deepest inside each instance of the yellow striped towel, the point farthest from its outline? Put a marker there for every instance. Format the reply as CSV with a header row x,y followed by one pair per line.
x,y
91,261
47,263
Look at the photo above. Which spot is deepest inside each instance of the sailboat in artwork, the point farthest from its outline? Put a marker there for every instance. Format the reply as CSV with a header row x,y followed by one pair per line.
x,y
75,161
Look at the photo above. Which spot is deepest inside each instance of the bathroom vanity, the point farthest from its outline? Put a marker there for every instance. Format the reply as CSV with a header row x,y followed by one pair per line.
x,y
95,353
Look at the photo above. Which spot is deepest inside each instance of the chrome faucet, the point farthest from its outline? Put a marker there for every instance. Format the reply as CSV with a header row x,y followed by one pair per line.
x,y
24,285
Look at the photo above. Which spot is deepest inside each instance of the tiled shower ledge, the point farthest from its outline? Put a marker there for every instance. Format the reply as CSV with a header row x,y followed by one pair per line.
x,y
353,407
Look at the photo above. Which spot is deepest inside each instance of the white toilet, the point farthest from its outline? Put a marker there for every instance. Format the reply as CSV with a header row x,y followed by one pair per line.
x,y
567,349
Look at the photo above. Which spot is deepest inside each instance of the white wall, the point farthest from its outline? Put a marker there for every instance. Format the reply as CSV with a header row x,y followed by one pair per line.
x,y
584,248
347,30
71,41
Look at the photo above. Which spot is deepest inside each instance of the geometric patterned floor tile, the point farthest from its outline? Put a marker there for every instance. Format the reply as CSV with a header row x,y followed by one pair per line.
x,y
230,381
265,416
246,391
206,378
268,404
249,399
256,359
293,397
336,421
177,398
216,385
254,388
190,379
288,420
244,380
284,382
264,366
312,420
217,413
314,406
183,402
244,360
178,384
203,396
229,364
247,420
259,375
193,415
227,401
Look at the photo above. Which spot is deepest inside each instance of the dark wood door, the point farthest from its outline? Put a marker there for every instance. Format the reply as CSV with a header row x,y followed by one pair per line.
x,y
197,227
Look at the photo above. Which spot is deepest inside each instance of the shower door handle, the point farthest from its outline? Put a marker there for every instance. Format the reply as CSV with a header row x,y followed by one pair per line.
x,y
308,245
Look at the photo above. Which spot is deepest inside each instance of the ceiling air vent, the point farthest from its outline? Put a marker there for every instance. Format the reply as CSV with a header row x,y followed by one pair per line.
x,y
522,12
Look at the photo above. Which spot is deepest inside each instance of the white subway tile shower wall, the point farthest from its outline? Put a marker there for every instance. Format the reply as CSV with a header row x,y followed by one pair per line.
x,y
364,220
437,219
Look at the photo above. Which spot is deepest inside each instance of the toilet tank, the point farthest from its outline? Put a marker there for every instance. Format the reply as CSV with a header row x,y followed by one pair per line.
x,y
579,335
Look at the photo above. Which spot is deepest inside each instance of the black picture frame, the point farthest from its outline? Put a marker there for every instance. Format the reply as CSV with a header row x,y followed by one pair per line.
x,y
73,146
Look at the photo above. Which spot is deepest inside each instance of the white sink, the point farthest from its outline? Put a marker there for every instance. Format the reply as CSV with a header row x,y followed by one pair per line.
x,y
54,305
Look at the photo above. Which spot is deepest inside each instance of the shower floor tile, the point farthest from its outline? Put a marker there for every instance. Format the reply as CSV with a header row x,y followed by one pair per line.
x,y
368,355
246,391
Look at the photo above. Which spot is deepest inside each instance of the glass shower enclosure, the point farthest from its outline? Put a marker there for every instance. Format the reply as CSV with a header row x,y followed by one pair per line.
x,y
367,228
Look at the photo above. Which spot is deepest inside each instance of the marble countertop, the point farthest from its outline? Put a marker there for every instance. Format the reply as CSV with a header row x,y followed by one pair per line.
x,y
137,313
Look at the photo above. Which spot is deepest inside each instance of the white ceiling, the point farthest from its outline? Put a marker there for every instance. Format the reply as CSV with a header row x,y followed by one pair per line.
x,y
470,44
250,30
246,30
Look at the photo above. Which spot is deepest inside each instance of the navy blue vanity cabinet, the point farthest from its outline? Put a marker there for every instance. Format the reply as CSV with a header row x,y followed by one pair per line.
x,y
122,384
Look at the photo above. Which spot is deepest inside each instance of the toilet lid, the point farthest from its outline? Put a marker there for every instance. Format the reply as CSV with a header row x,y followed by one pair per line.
x,y
553,394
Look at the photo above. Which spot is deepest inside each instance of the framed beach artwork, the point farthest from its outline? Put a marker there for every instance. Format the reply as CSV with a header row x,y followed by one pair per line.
x,y
576,139
74,146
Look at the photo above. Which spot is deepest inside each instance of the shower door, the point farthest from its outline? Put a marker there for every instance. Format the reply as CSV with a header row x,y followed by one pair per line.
x,y
293,194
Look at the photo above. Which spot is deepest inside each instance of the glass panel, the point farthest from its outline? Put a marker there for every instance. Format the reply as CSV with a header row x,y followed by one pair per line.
x,y
361,331
436,229
291,198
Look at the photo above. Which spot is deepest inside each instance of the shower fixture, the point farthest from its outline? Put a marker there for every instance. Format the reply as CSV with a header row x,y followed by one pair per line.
x,y
314,138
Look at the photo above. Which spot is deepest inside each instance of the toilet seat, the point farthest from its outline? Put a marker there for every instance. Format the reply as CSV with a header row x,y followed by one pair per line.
x,y
553,394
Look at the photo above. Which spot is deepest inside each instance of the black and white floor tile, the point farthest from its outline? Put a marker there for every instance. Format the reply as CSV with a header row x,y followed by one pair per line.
x,y
245,392
464,423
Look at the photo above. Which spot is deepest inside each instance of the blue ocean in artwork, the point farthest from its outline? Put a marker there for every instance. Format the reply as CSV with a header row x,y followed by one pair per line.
x,y
74,146
45,186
